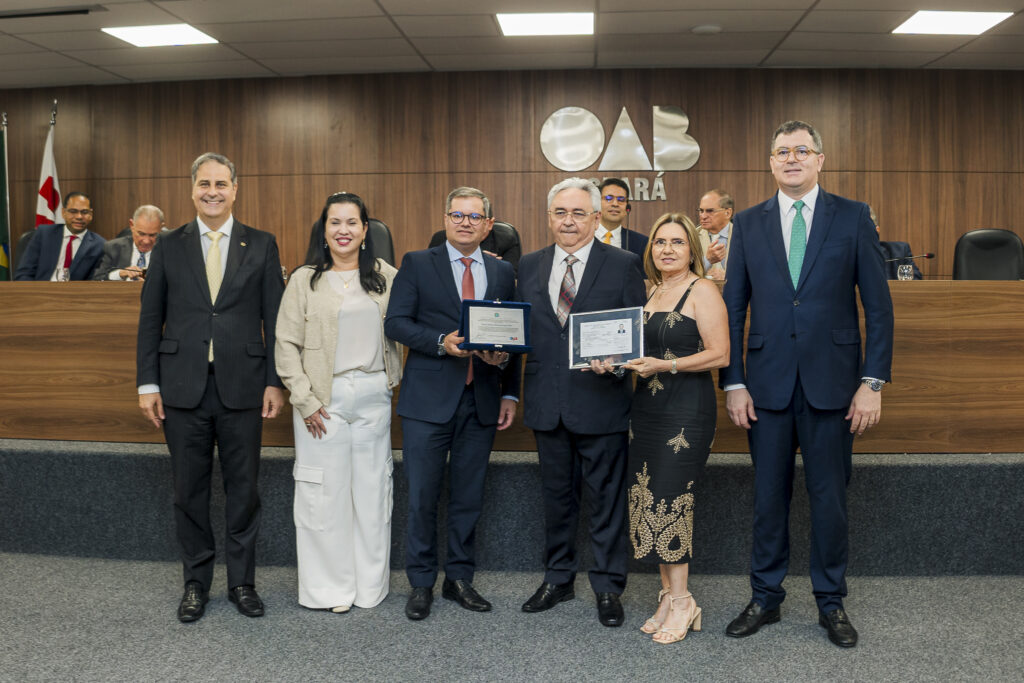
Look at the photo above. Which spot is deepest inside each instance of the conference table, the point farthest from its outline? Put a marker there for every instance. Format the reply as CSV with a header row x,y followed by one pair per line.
x,y
67,370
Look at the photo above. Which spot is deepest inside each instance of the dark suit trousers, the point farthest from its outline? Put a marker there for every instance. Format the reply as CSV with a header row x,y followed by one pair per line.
x,y
567,461
425,450
190,438
826,445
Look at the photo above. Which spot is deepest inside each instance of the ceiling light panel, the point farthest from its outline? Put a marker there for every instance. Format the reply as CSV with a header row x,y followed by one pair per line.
x,y
951,23
161,35
547,24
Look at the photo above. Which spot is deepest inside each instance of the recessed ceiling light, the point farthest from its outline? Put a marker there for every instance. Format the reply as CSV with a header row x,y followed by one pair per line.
x,y
706,29
165,34
547,24
951,23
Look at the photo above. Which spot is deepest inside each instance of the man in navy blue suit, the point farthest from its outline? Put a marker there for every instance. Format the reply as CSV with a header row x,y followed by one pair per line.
x,y
451,400
799,260
580,419
64,251
614,211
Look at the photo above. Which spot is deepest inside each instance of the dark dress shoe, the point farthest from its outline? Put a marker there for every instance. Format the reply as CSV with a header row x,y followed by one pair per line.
x,y
751,619
462,592
609,609
549,595
193,602
840,630
247,600
418,606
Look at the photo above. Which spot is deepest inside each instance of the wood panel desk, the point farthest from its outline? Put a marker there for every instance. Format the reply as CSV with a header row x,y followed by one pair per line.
x,y
67,370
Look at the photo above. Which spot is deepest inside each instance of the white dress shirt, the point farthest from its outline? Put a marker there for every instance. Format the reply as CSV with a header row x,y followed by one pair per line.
x,y
787,214
476,268
64,247
558,267
616,240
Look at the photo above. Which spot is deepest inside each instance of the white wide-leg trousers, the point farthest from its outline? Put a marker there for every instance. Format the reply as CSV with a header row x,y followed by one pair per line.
x,y
343,496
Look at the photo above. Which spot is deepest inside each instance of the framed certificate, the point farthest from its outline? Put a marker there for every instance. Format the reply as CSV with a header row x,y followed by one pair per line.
x,y
616,335
495,325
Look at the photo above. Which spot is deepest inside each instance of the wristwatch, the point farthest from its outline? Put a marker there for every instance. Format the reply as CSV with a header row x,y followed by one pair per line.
x,y
874,384
674,370
440,345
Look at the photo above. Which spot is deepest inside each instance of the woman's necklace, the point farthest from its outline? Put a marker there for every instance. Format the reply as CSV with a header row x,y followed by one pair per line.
x,y
346,282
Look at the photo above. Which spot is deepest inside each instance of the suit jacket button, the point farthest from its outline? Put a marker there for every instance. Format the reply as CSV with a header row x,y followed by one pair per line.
x,y
796,302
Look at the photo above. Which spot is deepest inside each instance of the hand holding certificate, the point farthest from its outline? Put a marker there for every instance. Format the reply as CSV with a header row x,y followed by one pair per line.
x,y
611,337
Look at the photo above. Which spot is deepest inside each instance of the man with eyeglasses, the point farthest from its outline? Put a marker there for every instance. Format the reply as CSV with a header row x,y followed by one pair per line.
x,y
452,400
799,260
580,419
715,217
614,212
63,251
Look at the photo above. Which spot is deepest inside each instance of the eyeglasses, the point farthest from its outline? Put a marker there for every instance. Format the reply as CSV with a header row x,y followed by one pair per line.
x,y
615,197
474,218
577,215
799,153
79,212
677,243
701,212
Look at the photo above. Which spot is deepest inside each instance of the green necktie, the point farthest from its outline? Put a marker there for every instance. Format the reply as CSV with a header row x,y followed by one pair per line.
x,y
797,243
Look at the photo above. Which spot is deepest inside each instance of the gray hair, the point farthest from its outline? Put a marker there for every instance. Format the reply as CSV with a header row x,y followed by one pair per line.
x,y
468,193
212,156
577,184
149,210
792,127
725,200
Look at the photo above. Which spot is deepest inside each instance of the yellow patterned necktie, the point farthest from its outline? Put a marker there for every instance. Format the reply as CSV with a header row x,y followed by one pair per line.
x,y
213,274
607,239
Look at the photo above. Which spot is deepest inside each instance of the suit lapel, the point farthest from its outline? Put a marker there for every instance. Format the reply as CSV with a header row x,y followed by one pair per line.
x,y
824,210
547,258
598,254
773,233
194,257
443,267
237,253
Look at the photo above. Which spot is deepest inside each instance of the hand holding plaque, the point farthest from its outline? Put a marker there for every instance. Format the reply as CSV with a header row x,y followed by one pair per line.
x,y
495,326
611,337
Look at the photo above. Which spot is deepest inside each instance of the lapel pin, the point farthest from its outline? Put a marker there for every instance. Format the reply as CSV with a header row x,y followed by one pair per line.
x,y
242,243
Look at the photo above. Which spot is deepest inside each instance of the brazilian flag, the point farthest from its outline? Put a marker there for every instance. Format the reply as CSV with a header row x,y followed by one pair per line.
x,y
5,213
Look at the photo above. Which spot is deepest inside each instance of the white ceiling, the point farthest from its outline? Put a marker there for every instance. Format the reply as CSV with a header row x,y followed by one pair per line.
x,y
303,37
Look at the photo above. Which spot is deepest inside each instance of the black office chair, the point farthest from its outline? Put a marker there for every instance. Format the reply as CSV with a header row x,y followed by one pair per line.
x,y
19,249
988,254
383,246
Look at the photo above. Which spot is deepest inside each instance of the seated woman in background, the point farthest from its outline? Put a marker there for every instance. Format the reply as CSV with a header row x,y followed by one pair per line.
x,y
672,419
340,369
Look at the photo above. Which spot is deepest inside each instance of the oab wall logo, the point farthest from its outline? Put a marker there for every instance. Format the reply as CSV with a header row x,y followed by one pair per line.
x,y
572,139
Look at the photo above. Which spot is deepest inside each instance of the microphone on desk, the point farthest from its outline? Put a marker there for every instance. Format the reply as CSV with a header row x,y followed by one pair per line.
x,y
901,258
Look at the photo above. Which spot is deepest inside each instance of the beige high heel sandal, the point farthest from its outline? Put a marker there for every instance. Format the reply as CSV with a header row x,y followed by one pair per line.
x,y
694,624
652,625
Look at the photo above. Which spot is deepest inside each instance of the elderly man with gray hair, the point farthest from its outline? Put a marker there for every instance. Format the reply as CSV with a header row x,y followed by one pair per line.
x,y
580,419
126,258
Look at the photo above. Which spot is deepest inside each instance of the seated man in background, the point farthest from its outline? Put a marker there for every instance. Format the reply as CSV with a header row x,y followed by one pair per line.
x,y
126,258
614,212
63,251
894,250
715,216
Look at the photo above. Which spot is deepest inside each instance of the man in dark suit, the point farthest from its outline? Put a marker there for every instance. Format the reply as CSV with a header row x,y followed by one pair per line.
x,y
502,242
895,254
127,258
799,260
580,419
614,212
452,400
206,374
64,251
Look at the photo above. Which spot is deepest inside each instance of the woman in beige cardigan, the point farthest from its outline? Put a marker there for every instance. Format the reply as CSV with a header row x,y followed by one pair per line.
x,y
332,355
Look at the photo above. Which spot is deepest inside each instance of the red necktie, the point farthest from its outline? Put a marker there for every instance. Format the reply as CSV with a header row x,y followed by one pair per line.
x,y
468,292
67,252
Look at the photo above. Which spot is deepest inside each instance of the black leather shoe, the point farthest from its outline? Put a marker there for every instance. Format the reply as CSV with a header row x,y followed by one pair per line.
x,y
418,606
840,630
462,592
549,595
609,609
193,602
247,600
751,619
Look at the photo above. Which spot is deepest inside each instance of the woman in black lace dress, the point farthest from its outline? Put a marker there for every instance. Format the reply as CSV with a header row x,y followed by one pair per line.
x,y
672,420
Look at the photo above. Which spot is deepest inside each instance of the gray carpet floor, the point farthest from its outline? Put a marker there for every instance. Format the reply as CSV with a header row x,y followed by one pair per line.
x,y
113,620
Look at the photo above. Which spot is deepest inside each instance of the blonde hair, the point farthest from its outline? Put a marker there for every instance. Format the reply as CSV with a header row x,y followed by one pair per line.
x,y
692,237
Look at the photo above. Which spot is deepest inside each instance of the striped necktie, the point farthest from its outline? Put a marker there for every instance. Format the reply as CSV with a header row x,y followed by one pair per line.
x,y
797,243
567,292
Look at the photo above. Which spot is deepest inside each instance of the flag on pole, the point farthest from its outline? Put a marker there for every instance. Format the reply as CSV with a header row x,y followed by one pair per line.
x,y
5,213
48,203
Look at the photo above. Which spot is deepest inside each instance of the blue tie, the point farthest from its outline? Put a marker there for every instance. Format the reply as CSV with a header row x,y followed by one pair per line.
x,y
142,261
797,243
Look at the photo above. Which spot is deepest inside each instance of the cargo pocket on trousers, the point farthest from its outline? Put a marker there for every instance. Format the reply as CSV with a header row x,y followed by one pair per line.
x,y
309,497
